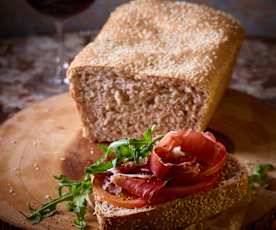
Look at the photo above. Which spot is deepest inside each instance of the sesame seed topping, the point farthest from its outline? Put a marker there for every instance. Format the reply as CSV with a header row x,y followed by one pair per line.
x,y
16,171
36,166
11,190
164,38
36,143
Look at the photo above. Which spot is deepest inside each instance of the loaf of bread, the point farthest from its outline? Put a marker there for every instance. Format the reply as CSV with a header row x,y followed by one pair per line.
x,y
154,62
182,212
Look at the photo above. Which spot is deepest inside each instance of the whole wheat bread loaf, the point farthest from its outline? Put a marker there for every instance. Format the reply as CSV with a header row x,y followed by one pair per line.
x,y
154,62
182,212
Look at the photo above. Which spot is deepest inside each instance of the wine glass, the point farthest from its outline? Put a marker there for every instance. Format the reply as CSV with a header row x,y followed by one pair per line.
x,y
60,10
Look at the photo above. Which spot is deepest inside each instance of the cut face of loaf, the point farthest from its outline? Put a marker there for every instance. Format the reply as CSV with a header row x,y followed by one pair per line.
x,y
154,62
117,106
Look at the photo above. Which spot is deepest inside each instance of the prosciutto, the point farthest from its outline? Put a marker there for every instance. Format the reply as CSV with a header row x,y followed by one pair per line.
x,y
182,163
140,187
204,155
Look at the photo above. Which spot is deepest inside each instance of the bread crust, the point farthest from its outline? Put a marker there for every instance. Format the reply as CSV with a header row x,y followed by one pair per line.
x,y
179,213
163,41
139,37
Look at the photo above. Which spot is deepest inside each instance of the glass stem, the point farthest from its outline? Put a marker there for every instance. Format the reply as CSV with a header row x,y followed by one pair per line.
x,y
61,65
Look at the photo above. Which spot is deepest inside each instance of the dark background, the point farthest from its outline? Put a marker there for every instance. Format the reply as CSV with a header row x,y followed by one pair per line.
x,y
17,18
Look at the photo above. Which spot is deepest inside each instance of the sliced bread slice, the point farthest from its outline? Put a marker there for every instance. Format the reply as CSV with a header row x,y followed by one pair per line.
x,y
182,212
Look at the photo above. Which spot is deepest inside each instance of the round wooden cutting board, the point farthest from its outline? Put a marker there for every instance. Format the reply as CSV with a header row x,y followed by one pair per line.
x,y
45,140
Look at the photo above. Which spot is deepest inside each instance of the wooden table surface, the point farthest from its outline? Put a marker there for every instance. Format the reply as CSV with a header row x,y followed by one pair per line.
x,y
25,64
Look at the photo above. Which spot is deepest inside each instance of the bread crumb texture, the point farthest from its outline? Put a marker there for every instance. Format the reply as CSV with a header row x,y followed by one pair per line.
x,y
117,106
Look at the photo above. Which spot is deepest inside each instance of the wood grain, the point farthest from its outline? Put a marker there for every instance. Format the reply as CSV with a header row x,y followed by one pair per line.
x,y
44,140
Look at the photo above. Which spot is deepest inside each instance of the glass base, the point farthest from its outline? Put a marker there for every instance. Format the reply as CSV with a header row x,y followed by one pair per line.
x,y
57,82
59,78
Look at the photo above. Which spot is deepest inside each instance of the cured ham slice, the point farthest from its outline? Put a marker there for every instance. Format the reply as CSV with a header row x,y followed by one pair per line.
x,y
182,163
141,187
204,155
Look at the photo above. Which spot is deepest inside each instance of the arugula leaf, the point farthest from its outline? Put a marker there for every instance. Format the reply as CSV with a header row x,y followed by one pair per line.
x,y
148,135
78,204
96,169
259,175
76,193
118,144
47,209
132,149
76,196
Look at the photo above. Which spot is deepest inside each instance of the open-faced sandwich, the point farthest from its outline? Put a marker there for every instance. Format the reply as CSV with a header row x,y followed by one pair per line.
x,y
184,178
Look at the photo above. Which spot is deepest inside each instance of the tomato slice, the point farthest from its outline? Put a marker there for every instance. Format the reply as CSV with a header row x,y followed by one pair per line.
x,y
165,194
118,201
145,188
177,191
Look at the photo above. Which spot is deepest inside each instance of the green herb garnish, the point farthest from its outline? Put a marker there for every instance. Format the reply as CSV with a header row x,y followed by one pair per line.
x,y
259,175
76,193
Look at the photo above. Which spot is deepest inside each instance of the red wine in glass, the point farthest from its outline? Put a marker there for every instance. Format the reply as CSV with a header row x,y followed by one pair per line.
x,y
60,10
